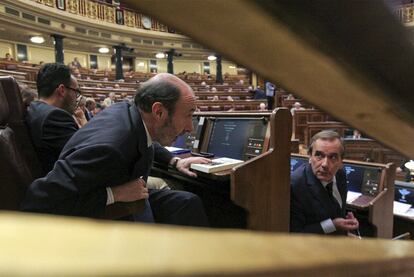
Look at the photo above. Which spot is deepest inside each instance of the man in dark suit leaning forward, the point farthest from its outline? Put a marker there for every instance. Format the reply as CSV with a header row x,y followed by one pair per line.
x,y
318,189
109,159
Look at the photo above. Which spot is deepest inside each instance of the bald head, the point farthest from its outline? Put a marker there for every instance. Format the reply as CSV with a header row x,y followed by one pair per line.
x,y
164,88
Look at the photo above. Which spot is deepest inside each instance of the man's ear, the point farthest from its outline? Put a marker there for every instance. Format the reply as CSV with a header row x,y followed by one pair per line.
x,y
60,91
159,111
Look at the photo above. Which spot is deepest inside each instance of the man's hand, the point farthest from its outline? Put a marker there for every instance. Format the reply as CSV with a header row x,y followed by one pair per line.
x,y
183,165
348,223
130,191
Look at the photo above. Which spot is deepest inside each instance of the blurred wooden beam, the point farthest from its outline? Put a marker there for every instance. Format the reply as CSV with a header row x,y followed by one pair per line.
x,y
350,58
40,245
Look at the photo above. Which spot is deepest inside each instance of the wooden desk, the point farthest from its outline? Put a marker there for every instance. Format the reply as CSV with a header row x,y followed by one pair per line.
x,y
403,224
259,189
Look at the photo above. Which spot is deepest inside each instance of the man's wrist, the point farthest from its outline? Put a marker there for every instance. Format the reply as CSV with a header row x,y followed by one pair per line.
x,y
174,161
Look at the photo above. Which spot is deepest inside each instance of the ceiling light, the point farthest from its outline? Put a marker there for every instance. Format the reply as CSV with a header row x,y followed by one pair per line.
x,y
141,64
232,66
160,55
211,58
103,50
37,39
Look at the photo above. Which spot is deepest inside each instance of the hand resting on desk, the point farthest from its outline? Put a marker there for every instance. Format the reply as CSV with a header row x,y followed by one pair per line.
x,y
183,165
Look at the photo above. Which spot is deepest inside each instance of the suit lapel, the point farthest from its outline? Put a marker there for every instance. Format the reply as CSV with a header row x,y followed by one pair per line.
x,y
341,184
145,156
319,193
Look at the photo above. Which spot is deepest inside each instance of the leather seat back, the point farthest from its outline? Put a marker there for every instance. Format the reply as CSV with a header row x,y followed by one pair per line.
x,y
17,123
16,173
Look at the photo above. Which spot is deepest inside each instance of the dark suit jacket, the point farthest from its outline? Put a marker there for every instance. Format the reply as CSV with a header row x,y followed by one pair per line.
x,y
50,128
109,151
310,203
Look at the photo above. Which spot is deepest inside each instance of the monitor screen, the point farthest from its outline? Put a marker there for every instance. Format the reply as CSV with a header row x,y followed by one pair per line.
x,y
187,140
237,138
404,194
363,179
295,162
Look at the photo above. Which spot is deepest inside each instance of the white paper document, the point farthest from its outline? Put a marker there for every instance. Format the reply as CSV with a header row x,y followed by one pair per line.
x,y
401,208
351,196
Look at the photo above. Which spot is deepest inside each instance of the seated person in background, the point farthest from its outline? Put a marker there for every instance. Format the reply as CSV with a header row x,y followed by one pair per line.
x,y
262,107
50,119
79,113
110,158
213,89
110,99
215,98
75,63
90,106
8,57
130,74
259,93
357,134
76,73
28,95
230,90
229,98
318,189
296,107
98,109
250,89
290,97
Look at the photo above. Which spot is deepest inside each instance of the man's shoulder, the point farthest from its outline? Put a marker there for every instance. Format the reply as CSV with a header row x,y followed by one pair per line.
x,y
44,113
298,175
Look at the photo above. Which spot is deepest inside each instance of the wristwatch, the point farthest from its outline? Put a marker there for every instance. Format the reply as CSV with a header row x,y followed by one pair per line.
x,y
175,162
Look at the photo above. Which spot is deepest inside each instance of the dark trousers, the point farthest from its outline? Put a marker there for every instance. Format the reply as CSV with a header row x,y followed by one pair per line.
x,y
173,207
270,101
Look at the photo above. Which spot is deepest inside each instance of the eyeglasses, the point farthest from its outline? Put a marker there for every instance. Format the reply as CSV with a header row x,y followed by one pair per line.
x,y
76,90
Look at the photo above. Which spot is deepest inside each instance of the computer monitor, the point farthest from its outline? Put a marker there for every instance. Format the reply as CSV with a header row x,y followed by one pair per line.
x,y
363,179
191,140
295,162
237,138
404,192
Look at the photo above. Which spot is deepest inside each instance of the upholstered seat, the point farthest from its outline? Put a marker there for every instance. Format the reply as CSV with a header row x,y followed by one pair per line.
x,y
18,163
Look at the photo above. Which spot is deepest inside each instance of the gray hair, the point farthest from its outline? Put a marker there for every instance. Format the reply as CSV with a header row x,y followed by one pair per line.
x,y
326,135
160,90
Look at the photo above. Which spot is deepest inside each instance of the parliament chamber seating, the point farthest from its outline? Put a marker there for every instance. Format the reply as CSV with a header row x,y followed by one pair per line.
x,y
19,166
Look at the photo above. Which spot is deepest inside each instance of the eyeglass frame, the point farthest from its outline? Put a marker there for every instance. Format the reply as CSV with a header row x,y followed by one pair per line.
x,y
76,90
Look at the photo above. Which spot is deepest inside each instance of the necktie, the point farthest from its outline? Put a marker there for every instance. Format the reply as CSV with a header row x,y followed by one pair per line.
x,y
333,199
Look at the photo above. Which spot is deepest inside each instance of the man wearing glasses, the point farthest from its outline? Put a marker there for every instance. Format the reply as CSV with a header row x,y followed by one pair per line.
x,y
318,189
50,119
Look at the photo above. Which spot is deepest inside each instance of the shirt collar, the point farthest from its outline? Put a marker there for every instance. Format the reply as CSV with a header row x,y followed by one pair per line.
x,y
149,139
333,181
